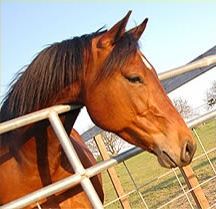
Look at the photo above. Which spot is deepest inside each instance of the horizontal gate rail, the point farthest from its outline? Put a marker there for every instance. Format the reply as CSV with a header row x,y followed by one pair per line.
x,y
90,172
206,61
34,117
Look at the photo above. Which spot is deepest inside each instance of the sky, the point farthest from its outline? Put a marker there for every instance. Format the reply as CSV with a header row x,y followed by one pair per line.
x,y
177,32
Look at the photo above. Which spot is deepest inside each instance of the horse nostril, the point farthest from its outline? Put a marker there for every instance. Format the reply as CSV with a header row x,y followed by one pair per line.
x,y
187,152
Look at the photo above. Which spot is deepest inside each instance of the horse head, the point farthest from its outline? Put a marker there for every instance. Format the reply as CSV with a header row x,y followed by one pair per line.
x,y
124,95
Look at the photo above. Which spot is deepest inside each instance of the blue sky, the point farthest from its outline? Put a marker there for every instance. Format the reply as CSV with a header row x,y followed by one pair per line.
x,y
176,33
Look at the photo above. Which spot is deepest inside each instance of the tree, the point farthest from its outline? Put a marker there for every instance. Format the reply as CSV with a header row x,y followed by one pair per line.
x,y
183,107
113,144
210,98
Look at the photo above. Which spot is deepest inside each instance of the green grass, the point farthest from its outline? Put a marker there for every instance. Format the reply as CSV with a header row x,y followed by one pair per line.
x,y
144,168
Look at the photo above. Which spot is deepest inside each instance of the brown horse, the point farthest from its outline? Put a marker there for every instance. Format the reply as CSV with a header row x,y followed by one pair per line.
x,y
106,72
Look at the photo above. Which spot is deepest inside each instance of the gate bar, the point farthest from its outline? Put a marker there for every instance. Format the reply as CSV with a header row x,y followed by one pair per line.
x,y
35,117
65,142
74,159
201,119
203,62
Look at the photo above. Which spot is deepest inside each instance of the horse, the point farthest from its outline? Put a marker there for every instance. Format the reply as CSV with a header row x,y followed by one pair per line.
x,y
106,72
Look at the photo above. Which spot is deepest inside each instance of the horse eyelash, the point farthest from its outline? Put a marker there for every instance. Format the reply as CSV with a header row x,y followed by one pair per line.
x,y
134,79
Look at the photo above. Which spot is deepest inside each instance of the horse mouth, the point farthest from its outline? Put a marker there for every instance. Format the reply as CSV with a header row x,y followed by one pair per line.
x,y
166,161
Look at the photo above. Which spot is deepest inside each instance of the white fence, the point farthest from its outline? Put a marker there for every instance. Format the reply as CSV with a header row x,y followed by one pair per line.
x,y
81,175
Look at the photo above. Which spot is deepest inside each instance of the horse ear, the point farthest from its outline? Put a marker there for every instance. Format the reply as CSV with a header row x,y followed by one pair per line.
x,y
115,33
138,31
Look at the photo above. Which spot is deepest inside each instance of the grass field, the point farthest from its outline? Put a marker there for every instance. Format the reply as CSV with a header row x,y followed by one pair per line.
x,y
144,168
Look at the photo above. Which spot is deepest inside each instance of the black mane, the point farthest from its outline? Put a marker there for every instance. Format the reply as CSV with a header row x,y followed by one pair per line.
x,y
56,67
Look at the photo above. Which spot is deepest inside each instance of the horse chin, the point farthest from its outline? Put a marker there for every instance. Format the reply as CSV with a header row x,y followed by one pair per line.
x,y
166,162
165,159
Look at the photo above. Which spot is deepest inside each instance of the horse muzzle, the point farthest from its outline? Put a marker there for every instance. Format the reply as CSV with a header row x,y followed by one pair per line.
x,y
168,159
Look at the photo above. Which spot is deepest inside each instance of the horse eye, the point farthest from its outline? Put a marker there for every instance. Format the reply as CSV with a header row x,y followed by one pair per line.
x,y
134,79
